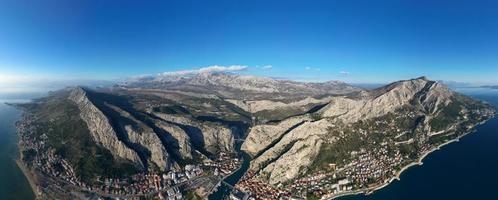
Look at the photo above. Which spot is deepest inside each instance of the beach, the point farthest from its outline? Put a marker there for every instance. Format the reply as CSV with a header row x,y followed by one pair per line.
x,y
29,176
14,183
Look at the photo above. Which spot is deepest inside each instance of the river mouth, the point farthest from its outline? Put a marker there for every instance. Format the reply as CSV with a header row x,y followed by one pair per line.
x,y
223,191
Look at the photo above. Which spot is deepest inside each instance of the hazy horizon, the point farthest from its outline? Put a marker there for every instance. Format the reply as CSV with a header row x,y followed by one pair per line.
x,y
40,87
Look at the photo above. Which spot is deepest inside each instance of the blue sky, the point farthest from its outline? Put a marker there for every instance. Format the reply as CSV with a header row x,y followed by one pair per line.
x,y
354,41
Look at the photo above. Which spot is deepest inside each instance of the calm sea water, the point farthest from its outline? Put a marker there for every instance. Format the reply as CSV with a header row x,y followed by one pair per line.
x,y
13,184
467,169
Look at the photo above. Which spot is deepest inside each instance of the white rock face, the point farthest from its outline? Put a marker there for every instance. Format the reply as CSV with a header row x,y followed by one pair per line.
x,y
100,129
397,95
254,106
180,137
438,95
269,85
248,83
261,136
144,136
233,86
300,144
340,106
276,164
281,151
286,168
215,137
149,140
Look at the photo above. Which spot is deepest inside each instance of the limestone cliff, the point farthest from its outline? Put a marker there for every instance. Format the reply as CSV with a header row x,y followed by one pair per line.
x,y
262,136
379,102
278,164
144,138
213,137
293,128
420,106
100,128
178,138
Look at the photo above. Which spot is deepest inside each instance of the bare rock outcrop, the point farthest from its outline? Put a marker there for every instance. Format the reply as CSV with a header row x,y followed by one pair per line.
x,y
301,143
261,136
275,152
183,144
213,136
282,170
140,134
430,94
100,129
254,106
232,86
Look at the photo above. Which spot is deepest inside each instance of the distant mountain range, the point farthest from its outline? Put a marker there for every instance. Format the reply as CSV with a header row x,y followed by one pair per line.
x,y
234,86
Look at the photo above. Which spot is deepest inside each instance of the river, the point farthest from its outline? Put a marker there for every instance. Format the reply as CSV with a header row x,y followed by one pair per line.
x,y
224,190
460,170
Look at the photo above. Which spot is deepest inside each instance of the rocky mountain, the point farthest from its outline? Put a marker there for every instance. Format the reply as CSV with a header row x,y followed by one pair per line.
x,y
152,133
264,98
418,111
232,86
293,131
100,127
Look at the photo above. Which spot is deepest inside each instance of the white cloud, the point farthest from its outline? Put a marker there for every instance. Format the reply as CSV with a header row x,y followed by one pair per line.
x,y
267,67
214,68
15,79
344,73
312,68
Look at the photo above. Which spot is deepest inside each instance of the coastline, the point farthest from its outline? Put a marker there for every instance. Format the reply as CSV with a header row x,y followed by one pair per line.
x,y
414,163
418,162
29,176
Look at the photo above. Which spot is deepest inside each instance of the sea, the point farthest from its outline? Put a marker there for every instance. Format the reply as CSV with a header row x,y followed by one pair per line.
x,y
467,169
13,183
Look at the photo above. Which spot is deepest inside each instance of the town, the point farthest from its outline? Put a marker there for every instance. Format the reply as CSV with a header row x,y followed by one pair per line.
x,y
53,168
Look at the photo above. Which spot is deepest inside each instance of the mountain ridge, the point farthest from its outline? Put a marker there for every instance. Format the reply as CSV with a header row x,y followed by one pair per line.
x,y
221,83
331,128
424,97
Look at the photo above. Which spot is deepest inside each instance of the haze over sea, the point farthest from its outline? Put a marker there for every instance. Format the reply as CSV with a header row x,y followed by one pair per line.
x,y
460,170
